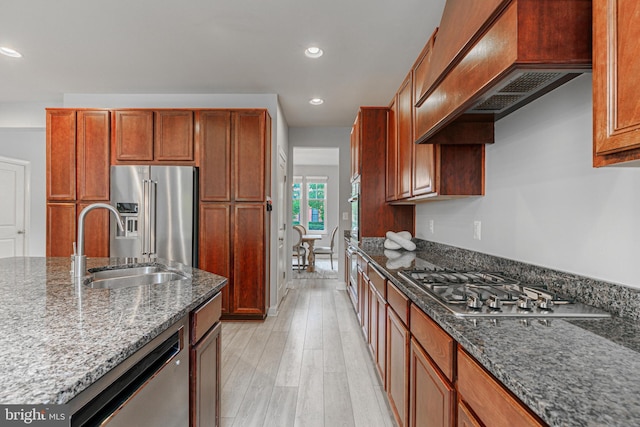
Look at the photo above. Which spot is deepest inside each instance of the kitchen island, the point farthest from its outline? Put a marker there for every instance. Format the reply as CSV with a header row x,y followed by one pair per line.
x,y
59,337
569,372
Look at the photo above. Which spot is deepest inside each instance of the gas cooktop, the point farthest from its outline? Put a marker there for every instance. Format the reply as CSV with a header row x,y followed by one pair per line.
x,y
486,294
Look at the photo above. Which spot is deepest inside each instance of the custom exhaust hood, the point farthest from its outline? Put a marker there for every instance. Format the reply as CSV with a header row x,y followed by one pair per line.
x,y
482,71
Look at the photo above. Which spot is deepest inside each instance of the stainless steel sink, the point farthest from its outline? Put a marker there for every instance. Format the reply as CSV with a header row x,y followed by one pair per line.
x,y
133,276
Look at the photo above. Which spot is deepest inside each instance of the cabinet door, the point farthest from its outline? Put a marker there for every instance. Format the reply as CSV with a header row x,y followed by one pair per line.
x,y
355,148
249,258
249,155
373,322
431,396
93,155
381,330
214,246
96,231
405,138
398,367
616,66
133,135
205,380
173,136
61,229
392,153
61,155
215,155
466,417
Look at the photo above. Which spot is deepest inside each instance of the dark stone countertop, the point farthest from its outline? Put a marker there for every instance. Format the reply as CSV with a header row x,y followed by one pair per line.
x,y
569,372
58,337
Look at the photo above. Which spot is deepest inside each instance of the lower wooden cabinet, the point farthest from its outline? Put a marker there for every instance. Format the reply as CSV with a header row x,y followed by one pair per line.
x,y
233,243
61,228
204,364
488,399
466,417
432,397
398,368
96,234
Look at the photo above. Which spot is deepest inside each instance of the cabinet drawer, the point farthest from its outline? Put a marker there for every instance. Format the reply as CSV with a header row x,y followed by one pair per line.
x,y
490,401
437,343
399,302
205,316
378,281
363,264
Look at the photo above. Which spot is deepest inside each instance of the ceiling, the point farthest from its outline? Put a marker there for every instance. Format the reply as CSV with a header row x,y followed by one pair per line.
x,y
216,46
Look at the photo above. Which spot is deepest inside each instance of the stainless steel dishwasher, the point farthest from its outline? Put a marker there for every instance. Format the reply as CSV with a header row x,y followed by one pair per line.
x,y
150,388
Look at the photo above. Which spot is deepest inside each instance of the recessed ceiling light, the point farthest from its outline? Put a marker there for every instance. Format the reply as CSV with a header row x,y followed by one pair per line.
x,y
313,52
10,52
316,101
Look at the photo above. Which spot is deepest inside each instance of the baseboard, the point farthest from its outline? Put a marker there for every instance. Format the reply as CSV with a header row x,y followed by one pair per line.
x,y
342,286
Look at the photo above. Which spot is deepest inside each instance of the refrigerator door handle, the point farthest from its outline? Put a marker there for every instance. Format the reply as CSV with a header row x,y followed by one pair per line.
x,y
145,216
153,190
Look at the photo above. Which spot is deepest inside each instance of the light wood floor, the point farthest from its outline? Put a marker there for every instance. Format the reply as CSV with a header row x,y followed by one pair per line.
x,y
308,366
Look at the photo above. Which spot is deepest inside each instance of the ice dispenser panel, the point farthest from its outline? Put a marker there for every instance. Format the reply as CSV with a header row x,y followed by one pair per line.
x,y
129,214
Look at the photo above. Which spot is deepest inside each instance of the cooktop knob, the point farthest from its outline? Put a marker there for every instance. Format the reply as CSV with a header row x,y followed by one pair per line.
x,y
545,303
474,302
494,302
524,302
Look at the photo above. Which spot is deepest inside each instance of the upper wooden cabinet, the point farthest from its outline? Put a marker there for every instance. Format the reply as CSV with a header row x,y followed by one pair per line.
x,y
61,155
148,135
356,149
234,148
404,101
616,93
392,153
93,155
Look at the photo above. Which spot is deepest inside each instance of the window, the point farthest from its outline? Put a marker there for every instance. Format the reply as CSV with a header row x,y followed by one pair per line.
x,y
310,202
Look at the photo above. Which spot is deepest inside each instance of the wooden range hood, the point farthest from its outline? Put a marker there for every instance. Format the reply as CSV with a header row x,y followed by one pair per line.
x,y
491,57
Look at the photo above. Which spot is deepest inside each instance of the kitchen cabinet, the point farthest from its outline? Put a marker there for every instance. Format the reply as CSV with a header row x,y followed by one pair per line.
x,y
356,148
363,302
405,137
397,367
235,159
61,155
491,403
61,229
397,357
78,174
153,135
204,363
392,153
466,417
376,215
616,94
92,156
431,396
378,320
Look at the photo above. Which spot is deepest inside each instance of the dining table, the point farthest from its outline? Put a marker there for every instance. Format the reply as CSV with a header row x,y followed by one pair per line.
x,y
310,239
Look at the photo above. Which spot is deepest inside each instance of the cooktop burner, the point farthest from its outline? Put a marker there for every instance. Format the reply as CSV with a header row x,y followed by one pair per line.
x,y
488,294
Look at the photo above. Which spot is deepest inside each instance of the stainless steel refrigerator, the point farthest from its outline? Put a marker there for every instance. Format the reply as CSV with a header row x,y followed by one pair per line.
x,y
159,206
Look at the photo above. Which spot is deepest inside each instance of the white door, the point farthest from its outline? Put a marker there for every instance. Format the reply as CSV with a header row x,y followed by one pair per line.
x,y
13,180
282,231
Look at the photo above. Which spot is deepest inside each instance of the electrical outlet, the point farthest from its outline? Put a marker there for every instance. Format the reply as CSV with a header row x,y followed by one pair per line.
x,y
431,226
477,230
345,216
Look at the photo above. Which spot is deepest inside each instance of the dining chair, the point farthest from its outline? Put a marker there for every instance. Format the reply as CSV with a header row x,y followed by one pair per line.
x,y
327,250
298,249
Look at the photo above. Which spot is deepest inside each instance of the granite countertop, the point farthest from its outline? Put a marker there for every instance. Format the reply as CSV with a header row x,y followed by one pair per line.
x,y
569,372
58,337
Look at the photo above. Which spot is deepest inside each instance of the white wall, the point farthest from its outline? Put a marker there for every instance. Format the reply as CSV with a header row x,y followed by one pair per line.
x,y
29,144
326,137
544,203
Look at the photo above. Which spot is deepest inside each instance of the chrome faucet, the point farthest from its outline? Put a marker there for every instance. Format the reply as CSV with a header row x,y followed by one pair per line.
x,y
78,259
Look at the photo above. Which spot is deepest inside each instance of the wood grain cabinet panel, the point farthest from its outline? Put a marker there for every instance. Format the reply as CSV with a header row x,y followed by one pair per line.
x,y
466,417
61,229
249,153
398,368
93,151
356,148
431,395
616,93
173,135
405,137
392,153
492,404
132,135
435,341
205,380
215,244
249,259
61,155
96,231
215,155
